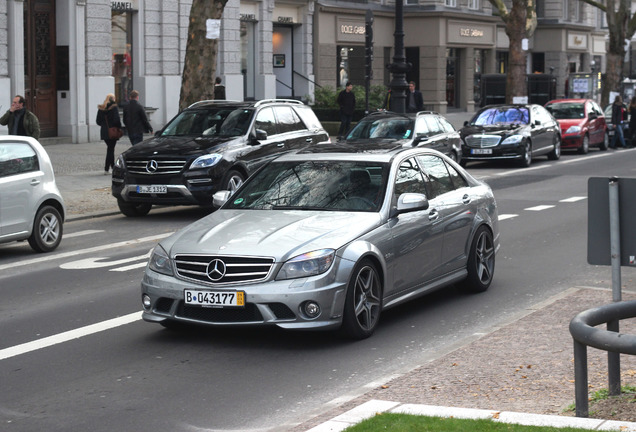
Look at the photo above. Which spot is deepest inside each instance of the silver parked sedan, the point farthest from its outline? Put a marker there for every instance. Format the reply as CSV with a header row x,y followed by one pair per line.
x,y
327,238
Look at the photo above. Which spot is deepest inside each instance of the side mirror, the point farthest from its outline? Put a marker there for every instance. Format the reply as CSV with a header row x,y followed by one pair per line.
x,y
260,135
158,133
465,122
537,123
592,115
220,198
408,202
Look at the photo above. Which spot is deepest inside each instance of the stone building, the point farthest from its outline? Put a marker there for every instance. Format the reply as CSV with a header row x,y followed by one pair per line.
x,y
65,56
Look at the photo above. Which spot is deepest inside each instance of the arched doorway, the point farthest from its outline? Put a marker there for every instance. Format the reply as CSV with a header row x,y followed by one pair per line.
x,y
39,63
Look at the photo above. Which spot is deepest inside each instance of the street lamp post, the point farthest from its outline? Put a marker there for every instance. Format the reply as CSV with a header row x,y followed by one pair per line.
x,y
399,67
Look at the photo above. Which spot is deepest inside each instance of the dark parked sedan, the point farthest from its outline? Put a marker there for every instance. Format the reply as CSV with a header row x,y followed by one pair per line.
x,y
511,132
423,129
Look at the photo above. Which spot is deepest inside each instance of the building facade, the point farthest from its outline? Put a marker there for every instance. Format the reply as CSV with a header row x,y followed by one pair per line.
x,y
65,56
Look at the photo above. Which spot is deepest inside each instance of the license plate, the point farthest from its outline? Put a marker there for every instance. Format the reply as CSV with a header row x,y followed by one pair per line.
x,y
152,189
215,298
481,151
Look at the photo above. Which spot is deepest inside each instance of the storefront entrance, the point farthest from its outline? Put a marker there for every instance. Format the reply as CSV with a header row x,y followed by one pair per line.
x,y
39,57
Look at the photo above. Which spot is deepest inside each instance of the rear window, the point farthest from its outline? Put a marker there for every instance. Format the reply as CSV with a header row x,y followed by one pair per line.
x,y
308,117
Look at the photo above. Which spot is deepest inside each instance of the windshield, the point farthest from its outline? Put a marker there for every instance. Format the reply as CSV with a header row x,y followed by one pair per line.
x,y
314,185
214,121
385,128
566,110
502,116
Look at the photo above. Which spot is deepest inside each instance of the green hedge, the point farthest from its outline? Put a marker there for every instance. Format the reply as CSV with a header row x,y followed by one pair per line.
x,y
326,107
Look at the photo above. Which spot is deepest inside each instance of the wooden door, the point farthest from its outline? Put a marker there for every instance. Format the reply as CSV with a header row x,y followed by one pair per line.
x,y
39,59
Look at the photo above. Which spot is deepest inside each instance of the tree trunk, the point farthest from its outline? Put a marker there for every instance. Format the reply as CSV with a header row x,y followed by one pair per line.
x,y
516,84
199,67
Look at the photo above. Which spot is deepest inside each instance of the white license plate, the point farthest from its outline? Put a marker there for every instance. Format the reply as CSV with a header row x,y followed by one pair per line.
x,y
481,151
152,189
215,298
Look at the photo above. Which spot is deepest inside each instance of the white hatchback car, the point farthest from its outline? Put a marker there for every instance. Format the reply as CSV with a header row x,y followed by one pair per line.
x,y
31,206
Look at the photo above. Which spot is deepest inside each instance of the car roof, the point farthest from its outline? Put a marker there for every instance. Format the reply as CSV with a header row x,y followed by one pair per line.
x,y
372,152
577,100
240,104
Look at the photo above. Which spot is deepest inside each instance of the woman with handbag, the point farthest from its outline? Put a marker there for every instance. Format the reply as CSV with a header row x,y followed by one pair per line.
x,y
108,119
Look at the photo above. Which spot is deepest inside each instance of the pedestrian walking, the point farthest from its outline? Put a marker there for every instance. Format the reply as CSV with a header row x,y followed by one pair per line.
x,y
107,118
632,122
219,89
618,115
20,120
414,99
135,119
347,103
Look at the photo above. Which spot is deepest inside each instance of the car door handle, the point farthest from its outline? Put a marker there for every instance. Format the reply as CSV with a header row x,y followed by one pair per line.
x,y
466,199
35,182
308,140
280,144
433,214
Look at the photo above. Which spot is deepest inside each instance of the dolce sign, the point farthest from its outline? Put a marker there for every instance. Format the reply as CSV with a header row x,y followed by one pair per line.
x,y
348,30
471,32
352,29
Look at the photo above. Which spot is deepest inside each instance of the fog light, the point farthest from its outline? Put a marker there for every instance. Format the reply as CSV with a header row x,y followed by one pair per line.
x,y
311,309
145,300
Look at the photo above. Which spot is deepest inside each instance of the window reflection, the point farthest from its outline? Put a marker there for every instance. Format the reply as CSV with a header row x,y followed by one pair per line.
x,y
121,33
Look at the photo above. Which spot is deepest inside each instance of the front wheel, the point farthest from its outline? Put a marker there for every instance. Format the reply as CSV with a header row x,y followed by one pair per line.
x,y
585,145
233,180
526,157
47,230
132,209
481,262
363,303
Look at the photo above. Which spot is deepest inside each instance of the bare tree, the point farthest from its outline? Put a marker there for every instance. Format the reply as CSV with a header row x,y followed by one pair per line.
x,y
621,25
520,21
199,68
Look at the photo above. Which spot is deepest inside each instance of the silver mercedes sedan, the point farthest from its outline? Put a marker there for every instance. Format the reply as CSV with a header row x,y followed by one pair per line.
x,y
326,239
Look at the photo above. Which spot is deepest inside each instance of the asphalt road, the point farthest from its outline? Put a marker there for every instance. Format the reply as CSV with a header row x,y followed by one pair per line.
x,y
132,375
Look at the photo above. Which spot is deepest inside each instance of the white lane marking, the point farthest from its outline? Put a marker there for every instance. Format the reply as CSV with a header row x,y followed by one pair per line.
x,y
522,170
507,216
573,199
81,233
96,262
69,335
130,267
52,257
539,208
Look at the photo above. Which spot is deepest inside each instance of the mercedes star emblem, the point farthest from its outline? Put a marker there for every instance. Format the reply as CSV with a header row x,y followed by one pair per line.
x,y
152,166
216,270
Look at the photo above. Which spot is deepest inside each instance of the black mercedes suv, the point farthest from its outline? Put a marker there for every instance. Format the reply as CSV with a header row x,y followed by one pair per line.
x,y
210,146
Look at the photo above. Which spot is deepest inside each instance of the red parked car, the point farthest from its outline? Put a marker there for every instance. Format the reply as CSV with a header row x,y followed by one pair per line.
x,y
582,124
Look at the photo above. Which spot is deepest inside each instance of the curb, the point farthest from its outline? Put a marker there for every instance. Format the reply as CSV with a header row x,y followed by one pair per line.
x,y
375,407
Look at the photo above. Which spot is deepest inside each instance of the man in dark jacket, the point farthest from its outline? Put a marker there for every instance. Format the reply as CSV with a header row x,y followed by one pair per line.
x,y
347,102
219,89
135,119
414,99
20,120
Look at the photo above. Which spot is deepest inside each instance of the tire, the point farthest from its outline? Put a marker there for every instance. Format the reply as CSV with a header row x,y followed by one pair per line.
x,y
47,230
585,146
481,262
132,209
604,145
555,154
526,159
363,303
233,180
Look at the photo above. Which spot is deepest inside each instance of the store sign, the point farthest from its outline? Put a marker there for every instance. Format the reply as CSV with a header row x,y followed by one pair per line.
x,y
285,20
461,32
285,15
350,31
248,17
577,41
123,6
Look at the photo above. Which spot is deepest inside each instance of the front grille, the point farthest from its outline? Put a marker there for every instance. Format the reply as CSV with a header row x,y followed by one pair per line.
x,y
221,269
249,313
482,141
154,166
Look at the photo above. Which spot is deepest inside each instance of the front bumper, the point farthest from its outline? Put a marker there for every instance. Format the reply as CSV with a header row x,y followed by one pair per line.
x,y
269,303
195,191
499,152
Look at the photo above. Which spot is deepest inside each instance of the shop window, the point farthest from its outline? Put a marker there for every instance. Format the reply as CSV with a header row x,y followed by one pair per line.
x,y
350,65
502,62
538,62
121,33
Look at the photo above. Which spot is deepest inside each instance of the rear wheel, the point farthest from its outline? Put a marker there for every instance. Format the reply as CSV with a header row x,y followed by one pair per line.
x,y
133,209
47,230
585,146
481,262
363,303
555,154
605,144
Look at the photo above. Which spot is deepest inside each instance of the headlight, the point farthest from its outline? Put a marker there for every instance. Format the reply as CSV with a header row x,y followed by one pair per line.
x,y
309,264
119,163
514,139
160,262
573,129
206,161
